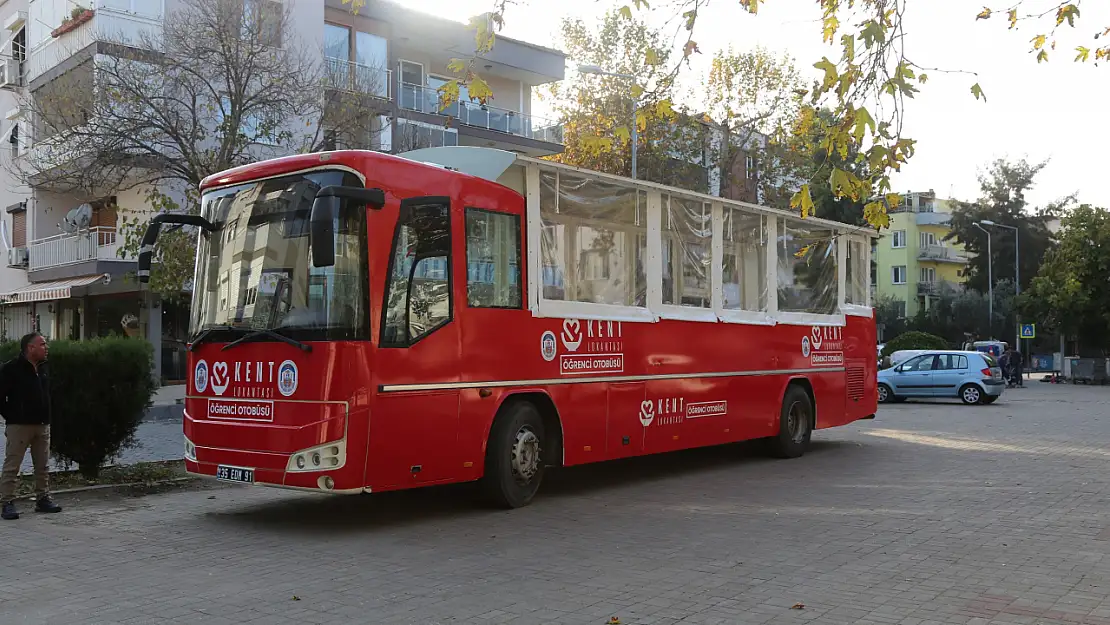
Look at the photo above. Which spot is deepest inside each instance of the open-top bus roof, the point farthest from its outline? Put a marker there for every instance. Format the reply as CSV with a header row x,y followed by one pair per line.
x,y
491,163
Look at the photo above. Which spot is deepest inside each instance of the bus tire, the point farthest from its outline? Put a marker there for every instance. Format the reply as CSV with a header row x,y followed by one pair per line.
x,y
514,461
795,424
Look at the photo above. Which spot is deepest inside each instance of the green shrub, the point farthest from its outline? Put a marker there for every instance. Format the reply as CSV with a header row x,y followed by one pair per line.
x,y
913,340
99,390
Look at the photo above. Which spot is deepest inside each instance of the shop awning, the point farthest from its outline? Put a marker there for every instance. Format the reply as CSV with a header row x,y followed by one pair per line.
x,y
47,291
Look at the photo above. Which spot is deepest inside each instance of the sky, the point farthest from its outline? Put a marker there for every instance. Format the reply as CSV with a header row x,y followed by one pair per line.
x,y
1057,111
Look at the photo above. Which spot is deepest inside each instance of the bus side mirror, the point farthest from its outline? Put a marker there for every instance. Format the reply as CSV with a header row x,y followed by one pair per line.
x,y
321,223
325,208
150,237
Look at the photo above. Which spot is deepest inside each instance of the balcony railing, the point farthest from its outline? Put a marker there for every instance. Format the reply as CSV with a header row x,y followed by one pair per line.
x,y
940,253
424,99
108,24
931,287
933,219
75,247
351,77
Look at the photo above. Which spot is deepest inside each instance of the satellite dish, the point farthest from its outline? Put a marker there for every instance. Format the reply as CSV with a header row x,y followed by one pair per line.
x,y
77,218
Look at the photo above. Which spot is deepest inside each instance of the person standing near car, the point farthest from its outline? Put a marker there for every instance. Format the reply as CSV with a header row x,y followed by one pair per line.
x,y
25,406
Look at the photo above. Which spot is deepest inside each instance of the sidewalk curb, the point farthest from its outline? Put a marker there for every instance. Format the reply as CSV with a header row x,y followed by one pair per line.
x,y
125,486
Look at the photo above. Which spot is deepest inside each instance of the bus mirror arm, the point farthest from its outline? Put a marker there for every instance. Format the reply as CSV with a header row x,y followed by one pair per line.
x,y
374,198
150,237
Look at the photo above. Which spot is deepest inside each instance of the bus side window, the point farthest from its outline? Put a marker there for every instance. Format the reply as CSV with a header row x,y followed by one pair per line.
x,y
418,297
492,259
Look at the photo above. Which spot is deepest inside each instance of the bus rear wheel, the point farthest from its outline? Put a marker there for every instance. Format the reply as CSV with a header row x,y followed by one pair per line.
x,y
795,424
514,456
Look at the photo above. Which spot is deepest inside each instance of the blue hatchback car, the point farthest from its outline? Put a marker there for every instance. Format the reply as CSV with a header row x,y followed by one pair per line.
x,y
974,377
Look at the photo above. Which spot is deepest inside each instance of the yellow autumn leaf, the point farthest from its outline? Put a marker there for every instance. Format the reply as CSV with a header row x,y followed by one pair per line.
x,y
831,25
802,252
1067,12
875,213
622,134
479,90
637,91
456,66
1013,17
1084,54
448,93
1042,56
985,14
864,123
664,109
977,91
802,201
1038,41
651,57
922,78
626,12
829,68
641,4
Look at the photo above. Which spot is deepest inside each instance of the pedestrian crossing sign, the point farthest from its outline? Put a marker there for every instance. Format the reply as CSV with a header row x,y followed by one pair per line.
x,y
1028,330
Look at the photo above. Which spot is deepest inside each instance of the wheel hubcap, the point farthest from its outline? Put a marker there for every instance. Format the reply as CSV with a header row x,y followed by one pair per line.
x,y
971,395
882,393
797,421
525,455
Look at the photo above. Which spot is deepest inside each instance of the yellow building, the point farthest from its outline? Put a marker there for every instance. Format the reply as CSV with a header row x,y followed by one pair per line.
x,y
912,258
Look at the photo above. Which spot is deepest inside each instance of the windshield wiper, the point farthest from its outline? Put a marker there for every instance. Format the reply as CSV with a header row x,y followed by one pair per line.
x,y
207,332
267,333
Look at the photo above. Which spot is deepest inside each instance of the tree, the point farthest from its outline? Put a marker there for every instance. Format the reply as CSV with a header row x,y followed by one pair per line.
x,y
212,91
1003,201
595,110
865,88
956,312
796,166
1069,293
753,96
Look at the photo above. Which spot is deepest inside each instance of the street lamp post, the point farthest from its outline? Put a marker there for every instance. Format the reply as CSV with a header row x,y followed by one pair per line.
x,y
1017,273
594,69
990,281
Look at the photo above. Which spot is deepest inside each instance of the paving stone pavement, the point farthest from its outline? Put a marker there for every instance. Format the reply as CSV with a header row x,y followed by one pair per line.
x,y
932,513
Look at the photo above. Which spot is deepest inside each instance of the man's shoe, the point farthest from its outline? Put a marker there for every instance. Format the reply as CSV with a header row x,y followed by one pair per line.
x,y
47,505
8,513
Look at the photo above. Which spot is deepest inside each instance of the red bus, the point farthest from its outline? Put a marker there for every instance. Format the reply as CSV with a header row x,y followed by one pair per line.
x,y
363,322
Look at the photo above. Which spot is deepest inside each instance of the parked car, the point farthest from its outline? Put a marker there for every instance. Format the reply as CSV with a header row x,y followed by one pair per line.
x,y
973,377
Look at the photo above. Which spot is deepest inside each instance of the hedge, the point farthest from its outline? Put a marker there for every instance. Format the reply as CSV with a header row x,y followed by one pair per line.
x,y
913,340
100,389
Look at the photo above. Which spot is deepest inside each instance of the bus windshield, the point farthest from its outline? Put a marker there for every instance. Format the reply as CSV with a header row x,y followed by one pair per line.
x,y
254,272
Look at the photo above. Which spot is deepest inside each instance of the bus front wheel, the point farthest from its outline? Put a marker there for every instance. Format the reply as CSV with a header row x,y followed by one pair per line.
x,y
514,461
795,424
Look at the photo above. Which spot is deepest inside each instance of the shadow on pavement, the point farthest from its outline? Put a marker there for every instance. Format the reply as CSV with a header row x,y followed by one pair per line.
x,y
313,513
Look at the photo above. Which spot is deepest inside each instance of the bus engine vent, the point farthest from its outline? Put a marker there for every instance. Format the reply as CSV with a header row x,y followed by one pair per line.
x,y
855,383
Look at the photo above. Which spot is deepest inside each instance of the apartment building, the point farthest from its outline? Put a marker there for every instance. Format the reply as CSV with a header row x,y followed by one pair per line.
x,y
66,273
912,259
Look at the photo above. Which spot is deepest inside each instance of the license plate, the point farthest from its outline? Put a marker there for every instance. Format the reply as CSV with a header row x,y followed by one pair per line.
x,y
235,474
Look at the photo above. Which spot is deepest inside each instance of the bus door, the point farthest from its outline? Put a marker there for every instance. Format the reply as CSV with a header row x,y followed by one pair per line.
x,y
414,423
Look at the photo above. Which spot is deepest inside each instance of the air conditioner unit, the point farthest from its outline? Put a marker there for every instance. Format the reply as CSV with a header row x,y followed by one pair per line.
x,y
11,76
17,257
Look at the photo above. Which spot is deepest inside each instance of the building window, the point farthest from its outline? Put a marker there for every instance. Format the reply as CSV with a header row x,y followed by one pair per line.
x,y
928,239
750,167
492,259
900,309
898,274
899,240
928,274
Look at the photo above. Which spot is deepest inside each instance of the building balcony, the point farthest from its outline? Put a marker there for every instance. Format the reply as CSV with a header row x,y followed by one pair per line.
x,y
928,288
933,219
54,42
940,254
351,77
493,125
93,245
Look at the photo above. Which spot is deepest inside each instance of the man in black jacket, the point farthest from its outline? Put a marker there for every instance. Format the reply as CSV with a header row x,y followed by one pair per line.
x,y
25,406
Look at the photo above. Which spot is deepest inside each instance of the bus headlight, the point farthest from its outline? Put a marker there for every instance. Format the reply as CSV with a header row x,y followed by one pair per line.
x,y
190,450
322,458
